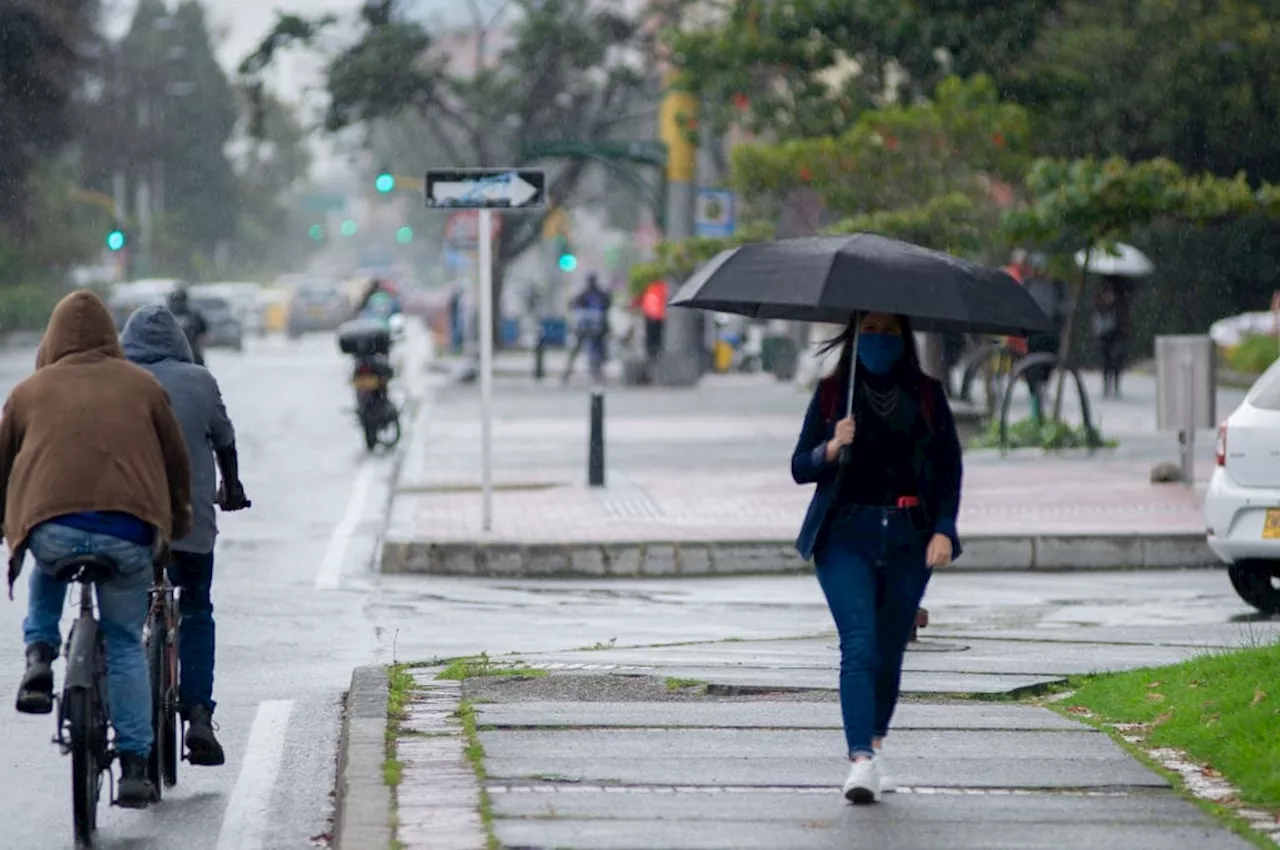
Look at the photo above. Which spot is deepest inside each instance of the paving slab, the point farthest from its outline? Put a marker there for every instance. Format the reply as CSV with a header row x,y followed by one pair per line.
x,y
765,805
683,757
759,715
818,679
1248,630
856,831
927,655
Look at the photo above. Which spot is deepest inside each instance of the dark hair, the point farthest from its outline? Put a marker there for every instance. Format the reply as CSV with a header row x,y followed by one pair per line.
x,y
830,388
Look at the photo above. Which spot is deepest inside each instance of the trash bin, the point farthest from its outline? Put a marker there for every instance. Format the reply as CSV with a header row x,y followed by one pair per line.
x,y
1186,383
1186,392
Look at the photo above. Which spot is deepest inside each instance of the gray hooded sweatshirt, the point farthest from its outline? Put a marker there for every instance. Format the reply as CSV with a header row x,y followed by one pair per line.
x,y
153,339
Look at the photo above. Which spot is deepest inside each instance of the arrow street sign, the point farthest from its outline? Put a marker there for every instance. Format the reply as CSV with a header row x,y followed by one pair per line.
x,y
487,188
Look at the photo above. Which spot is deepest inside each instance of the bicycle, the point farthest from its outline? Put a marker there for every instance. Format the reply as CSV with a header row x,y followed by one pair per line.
x,y
82,706
161,639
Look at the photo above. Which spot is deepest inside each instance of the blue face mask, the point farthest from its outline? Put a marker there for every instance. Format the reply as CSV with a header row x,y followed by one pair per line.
x,y
879,352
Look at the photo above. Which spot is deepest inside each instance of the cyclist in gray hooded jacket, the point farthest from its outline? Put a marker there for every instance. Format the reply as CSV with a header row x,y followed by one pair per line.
x,y
154,340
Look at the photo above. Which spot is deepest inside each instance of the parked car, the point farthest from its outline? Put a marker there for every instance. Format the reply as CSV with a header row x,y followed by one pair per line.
x,y
317,306
1242,506
243,298
225,330
125,298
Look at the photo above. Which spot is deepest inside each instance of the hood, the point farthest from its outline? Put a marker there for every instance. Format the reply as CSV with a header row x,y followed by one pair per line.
x,y
153,334
80,324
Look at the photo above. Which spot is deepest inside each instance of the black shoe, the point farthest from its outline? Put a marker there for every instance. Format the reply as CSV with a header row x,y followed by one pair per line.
x,y
135,790
203,749
35,693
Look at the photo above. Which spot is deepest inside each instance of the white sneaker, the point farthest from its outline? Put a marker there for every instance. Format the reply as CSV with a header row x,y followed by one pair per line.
x,y
887,785
863,784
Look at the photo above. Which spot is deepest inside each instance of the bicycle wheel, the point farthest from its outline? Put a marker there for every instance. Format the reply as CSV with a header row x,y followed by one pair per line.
x,y
172,724
86,726
162,768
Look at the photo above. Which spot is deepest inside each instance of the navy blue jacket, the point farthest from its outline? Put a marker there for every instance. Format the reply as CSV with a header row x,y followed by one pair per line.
x,y
941,473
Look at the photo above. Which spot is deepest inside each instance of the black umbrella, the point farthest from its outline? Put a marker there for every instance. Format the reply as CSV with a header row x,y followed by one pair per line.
x,y
832,278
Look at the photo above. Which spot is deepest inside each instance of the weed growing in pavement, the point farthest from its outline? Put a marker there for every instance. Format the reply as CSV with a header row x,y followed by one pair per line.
x,y
400,686
599,645
473,666
674,684
466,713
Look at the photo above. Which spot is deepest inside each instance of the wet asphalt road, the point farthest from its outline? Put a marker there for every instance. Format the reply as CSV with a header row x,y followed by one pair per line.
x,y
282,641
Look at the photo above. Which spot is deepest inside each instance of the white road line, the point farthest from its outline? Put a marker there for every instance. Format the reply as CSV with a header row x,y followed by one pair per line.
x,y
329,576
246,824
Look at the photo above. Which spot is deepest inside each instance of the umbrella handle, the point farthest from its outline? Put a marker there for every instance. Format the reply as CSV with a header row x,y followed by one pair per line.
x,y
846,452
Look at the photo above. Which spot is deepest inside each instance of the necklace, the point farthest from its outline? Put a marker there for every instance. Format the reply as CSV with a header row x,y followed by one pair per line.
x,y
883,403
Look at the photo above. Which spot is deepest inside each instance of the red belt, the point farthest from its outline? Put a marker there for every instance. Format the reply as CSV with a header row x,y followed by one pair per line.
x,y
908,502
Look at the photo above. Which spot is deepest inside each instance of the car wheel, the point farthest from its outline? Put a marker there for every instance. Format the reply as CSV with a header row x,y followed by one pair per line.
x,y
1258,583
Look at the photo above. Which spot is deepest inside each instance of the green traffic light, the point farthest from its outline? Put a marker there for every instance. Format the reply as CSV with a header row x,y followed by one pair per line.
x,y
385,182
404,235
348,228
568,262
316,232
115,240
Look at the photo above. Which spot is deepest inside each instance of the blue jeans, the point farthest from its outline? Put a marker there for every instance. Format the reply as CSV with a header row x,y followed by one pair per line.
x,y
193,573
122,607
871,565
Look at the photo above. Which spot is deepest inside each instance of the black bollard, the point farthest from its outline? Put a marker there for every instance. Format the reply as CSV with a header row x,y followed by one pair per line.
x,y
595,453
539,354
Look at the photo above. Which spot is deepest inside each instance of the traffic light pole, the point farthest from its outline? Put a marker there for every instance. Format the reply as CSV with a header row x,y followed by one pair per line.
x,y
683,360
486,368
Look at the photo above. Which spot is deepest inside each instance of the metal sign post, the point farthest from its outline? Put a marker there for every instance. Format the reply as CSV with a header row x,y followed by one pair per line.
x,y
486,190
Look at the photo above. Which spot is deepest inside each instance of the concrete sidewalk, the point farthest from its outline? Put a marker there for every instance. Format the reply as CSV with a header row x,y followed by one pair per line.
x,y
698,483
737,746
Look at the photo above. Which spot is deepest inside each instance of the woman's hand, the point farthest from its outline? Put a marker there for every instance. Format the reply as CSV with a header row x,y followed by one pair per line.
x,y
938,553
845,429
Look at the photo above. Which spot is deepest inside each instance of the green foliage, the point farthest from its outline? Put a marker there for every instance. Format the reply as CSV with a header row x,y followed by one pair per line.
x,y
482,665
1220,709
947,223
789,69
1196,82
1041,434
1254,354
1091,202
898,155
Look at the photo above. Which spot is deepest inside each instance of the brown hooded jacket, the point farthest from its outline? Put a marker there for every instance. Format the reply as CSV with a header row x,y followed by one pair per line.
x,y
90,431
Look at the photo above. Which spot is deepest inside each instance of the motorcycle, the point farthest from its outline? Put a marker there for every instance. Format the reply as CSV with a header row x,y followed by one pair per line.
x,y
369,343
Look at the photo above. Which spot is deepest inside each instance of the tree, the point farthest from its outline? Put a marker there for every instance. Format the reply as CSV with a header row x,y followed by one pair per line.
x,y
570,70
164,116
1093,204
1197,82
273,166
802,70
42,51
923,172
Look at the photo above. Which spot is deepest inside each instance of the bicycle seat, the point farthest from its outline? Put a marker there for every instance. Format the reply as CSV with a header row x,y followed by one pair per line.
x,y
85,568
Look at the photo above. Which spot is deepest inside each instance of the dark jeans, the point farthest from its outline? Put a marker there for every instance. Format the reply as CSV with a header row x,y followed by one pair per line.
x,y
193,573
872,569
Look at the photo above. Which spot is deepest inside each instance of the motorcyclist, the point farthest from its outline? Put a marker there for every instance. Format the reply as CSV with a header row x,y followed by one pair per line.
x,y
92,461
192,321
379,302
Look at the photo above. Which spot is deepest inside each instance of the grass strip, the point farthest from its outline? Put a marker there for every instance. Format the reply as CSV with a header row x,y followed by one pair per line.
x,y
1222,709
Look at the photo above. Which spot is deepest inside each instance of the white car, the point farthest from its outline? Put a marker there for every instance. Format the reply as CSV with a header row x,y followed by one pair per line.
x,y
1242,507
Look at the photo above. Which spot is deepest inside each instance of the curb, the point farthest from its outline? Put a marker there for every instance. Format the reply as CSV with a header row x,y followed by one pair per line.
x,y
658,559
362,805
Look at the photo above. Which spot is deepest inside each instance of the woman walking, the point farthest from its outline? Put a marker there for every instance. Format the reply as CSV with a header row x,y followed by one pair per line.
x,y
880,521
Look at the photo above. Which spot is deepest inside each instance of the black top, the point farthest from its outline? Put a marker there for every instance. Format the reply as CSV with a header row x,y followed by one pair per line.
x,y
888,443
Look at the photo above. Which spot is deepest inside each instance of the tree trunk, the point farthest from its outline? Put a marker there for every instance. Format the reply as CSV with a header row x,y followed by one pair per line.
x,y
931,359
1064,345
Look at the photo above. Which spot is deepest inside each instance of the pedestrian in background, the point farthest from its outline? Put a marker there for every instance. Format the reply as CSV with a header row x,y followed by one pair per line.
x,y
882,517
1111,327
591,327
